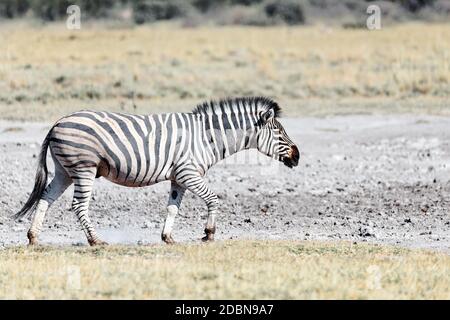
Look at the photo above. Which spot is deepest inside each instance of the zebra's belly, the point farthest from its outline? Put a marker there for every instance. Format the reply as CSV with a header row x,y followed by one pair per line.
x,y
132,178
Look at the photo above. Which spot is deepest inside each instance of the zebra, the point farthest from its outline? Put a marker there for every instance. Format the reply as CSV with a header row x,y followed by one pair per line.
x,y
141,150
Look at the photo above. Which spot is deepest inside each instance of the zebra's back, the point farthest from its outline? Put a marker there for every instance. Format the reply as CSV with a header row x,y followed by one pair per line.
x,y
131,150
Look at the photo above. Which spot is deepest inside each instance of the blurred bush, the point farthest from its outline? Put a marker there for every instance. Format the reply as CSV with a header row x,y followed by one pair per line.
x,y
290,12
51,9
415,5
205,5
13,8
255,12
153,10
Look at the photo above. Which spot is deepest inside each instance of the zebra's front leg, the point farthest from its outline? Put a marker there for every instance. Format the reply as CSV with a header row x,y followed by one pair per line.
x,y
197,185
80,205
210,228
175,197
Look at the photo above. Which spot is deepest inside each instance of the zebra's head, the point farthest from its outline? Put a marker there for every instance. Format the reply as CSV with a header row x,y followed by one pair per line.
x,y
273,141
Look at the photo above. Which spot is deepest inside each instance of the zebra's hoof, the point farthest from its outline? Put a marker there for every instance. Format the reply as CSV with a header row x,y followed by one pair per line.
x,y
167,238
32,239
97,243
208,239
209,235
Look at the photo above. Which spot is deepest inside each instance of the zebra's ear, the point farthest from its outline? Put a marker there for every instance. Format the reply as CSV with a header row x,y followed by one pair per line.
x,y
268,115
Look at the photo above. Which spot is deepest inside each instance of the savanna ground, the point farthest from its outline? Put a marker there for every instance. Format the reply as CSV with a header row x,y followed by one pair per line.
x,y
367,207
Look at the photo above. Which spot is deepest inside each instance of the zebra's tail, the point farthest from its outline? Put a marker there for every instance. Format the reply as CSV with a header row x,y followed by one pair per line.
x,y
40,181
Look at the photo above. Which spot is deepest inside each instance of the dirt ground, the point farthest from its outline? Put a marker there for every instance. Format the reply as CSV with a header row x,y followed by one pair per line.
x,y
382,179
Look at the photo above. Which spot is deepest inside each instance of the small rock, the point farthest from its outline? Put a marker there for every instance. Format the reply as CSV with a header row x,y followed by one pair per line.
x,y
264,208
60,79
366,232
424,208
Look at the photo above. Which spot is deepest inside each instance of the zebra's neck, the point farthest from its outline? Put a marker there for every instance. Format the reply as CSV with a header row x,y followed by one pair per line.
x,y
228,126
227,134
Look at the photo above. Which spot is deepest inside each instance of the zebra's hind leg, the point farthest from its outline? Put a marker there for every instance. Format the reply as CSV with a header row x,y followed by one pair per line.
x,y
51,193
83,183
175,197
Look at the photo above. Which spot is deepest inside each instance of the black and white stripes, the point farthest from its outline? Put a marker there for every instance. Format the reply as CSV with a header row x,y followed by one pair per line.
x,y
137,150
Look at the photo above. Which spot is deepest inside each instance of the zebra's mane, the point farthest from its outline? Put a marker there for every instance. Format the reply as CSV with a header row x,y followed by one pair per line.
x,y
232,104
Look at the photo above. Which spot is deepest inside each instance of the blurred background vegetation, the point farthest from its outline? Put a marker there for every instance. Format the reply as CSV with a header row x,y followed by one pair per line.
x,y
315,57
350,13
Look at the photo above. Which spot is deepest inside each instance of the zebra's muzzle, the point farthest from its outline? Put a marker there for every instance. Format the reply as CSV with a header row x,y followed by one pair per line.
x,y
288,162
294,157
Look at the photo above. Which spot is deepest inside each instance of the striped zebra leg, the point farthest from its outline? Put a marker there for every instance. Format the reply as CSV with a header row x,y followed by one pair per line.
x,y
52,192
80,205
197,185
175,197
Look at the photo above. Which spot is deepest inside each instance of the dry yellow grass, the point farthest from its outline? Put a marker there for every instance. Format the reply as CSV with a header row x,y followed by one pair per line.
x,y
225,270
51,70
